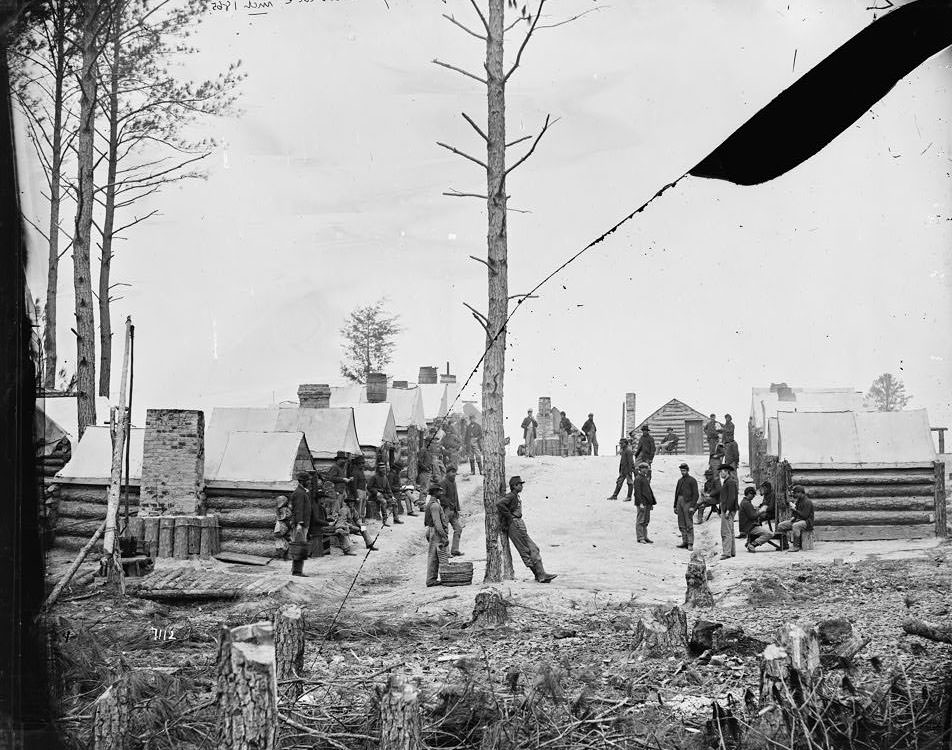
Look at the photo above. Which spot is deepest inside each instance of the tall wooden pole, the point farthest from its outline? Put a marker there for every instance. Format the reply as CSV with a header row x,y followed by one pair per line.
x,y
498,556
119,426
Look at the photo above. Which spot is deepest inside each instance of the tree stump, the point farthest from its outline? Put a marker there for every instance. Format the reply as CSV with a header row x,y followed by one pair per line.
x,y
698,593
289,650
803,650
490,610
247,688
111,714
719,638
400,725
663,632
773,672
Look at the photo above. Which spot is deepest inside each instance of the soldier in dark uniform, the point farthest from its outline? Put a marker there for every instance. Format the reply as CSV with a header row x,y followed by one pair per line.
x,y
710,432
685,502
644,501
626,470
339,474
591,432
450,504
434,521
378,490
301,517
646,449
509,508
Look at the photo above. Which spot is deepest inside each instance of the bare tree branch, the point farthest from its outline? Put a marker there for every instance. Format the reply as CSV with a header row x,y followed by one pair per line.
x,y
534,144
468,31
480,318
518,140
480,260
525,41
454,193
460,70
523,296
475,126
133,223
480,14
573,18
465,156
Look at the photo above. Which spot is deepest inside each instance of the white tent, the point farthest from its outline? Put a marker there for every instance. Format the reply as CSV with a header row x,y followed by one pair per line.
x,y
57,417
327,430
91,461
766,404
856,439
434,400
375,424
348,395
407,407
261,458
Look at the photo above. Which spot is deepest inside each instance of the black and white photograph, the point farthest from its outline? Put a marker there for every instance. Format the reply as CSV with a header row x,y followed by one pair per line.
x,y
491,374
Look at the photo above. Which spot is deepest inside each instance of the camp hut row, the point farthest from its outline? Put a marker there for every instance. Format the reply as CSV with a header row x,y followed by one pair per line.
x,y
871,475
687,423
767,403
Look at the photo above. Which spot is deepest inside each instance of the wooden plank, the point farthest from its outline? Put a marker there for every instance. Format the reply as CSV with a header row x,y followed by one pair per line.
x,y
166,536
874,517
252,518
259,549
924,502
863,467
866,533
941,529
244,559
81,509
243,502
150,531
882,490
180,539
818,478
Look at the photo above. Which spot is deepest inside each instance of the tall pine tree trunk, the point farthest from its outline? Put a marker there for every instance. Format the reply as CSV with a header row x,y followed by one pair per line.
x,y
105,261
56,169
498,555
82,282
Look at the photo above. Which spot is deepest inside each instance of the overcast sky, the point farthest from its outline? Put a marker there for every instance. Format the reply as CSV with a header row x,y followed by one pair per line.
x,y
326,194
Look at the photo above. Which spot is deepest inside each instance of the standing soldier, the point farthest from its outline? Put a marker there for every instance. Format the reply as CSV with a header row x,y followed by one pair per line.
x,y
301,516
529,427
728,510
509,508
396,490
685,503
589,429
340,476
710,432
646,449
732,453
450,502
434,521
626,470
727,432
565,430
717,457
644,501
424,471
473,445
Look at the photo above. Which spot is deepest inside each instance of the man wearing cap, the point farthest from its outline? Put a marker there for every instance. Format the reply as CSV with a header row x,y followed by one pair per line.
x,y
450,503
473,445
727,431
644,502
802,518
711,494
339,475
509,510
728,509
396,491
710,432
301,517
434,521
626,470
685,503
378,490
670,442
732,453
359,487
646,449
529,427
591,434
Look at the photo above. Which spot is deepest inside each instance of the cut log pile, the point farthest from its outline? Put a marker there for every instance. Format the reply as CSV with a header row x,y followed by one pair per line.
x,y
246,518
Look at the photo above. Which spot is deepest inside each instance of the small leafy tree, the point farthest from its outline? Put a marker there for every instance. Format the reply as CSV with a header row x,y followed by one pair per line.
x,y
887,393
369,339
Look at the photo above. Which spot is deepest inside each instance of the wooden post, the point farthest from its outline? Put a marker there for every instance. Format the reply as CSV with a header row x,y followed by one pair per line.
x,y
941,530
150,531
207,534
111,714
247,690
194,536
180,540
166,535
400,726
289,650
110,550
662,632
698,593
490,610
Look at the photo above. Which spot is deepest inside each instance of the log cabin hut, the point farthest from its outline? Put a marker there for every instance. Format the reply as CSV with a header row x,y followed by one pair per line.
x,y
766,403
687,423
871,475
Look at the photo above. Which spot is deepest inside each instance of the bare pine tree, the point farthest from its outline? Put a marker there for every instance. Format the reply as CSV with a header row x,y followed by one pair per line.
x,y
888,393
369,340
497,75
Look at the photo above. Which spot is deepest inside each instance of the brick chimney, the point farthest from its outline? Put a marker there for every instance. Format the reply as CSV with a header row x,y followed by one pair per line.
x,y
173,462
401,384
630,419
314,395
544,417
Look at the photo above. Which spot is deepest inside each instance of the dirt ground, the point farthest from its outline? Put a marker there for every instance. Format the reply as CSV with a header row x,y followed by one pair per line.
x,y
579,628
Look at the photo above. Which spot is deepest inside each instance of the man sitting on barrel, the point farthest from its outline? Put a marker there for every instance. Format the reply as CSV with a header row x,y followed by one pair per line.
x,y
801,520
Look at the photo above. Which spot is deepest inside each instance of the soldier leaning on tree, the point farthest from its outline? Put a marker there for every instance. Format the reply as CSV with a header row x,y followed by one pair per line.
x,y
509,510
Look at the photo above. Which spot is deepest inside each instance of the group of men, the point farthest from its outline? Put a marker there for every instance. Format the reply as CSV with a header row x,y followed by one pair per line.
x,y
566,433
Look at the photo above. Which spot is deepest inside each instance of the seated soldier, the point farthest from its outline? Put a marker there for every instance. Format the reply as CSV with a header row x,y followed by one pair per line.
x,y
710,496
380,492
749,522
349,516
802,518
669,443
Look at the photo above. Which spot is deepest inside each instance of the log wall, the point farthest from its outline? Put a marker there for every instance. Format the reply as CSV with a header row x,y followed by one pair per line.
x,y
673,414
875,503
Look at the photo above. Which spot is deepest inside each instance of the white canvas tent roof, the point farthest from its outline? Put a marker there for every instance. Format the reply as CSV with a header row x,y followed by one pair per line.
x,y
260,458
452,406
773,437
854,439
91,461
326,430
434,400
766,404
407,407
348,395
57,417
375,423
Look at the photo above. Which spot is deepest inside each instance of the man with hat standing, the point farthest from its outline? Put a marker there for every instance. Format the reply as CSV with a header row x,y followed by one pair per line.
x,y
301,519
626,470
450,503
338,474
644,502
728,509
591,434
529,427
434,521
710,432
509,509
646,448
685,503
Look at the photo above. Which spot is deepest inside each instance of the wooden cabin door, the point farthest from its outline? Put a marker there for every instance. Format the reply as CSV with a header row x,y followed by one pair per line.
x,y
694,437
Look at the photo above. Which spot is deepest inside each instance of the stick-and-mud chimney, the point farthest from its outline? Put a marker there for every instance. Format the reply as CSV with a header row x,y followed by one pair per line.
x,y
314,395
173,462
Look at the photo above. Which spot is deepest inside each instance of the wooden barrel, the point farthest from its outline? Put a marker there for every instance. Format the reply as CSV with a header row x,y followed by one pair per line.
x,y
427,376
376,387
180,548
166,536
151,535
194,524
